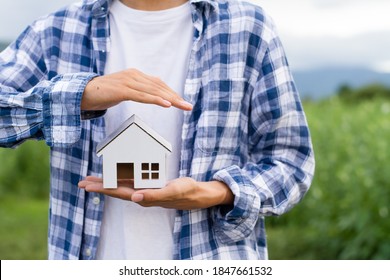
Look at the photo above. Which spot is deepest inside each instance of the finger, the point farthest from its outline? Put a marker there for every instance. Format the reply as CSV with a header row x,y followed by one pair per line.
x,y
124,193
137,197
89,180
94,179
126,183
182,104
156,83
169,94
120,192
145,97
91,186
150,197
151,85
148,85
83,184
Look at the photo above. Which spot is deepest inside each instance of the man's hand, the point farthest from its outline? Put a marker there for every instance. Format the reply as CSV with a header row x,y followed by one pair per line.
x,y
181,194
106,91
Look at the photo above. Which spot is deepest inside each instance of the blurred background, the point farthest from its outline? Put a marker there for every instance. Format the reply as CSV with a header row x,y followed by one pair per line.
x,y
339,54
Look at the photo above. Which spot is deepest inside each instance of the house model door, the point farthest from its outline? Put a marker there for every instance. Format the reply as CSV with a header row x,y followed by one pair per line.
x,y
125,171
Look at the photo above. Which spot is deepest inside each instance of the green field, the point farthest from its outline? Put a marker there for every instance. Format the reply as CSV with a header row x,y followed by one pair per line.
x,y
23,229
345,215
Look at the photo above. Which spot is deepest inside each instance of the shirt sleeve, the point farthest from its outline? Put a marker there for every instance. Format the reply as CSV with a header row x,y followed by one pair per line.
x,y
31,106
282,160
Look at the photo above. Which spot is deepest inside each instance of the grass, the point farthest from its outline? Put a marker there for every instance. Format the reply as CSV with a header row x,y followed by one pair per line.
x,y
345,215
23,229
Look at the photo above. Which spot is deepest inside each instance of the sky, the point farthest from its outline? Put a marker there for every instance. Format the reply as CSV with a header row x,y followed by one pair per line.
x,y
315,33
320,33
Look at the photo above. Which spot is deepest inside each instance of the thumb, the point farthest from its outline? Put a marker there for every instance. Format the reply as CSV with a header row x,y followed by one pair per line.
x,y
137,197
147,195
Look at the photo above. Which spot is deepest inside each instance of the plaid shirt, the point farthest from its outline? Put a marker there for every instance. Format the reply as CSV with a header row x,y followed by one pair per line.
x,y
247,128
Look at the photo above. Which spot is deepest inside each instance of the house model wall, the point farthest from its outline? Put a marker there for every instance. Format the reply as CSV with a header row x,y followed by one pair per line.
x,y
136,152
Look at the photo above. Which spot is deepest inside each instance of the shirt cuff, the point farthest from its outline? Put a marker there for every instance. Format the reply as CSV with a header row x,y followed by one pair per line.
x,y
238,222
89,115
61,108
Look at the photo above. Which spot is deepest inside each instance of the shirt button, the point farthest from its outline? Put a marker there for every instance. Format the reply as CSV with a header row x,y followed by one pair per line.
x,y
88,252
96,200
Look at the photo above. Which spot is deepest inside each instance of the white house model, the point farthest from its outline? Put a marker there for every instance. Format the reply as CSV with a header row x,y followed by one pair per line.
x,y
134,151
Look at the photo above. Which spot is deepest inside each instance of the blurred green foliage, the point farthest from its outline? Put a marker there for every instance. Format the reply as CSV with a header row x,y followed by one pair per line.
x,y
345,215
367,92
24,171
23,228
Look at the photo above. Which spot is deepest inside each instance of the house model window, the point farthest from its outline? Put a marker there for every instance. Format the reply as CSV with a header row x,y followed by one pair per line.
x,y
134,152
150,171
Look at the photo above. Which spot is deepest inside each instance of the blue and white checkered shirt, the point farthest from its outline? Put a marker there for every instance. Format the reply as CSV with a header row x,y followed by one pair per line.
x,y
247,128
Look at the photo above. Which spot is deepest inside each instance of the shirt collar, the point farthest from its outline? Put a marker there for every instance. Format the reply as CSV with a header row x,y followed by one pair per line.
x,y
100,7
201,3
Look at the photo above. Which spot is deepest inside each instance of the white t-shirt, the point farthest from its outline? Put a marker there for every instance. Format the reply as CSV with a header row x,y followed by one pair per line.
x,y
157,43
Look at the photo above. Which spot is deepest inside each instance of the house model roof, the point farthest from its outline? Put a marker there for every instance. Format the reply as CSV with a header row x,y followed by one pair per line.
x,y
133,120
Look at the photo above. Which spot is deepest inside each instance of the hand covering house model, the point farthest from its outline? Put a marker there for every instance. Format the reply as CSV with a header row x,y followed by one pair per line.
x,y
134,151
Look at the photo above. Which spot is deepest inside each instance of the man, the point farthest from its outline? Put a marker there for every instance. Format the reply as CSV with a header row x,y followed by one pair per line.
x,y
241,141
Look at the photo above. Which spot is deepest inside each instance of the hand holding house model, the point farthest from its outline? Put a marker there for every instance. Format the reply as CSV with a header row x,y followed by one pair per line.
x,y
136,152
